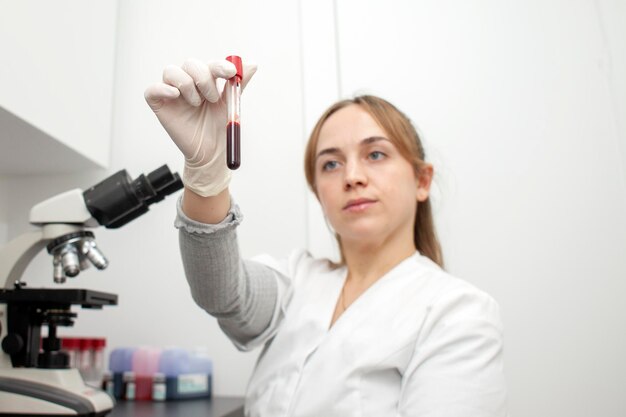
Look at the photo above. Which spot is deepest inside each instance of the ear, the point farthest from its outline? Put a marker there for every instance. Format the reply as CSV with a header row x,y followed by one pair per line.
x,y
424,179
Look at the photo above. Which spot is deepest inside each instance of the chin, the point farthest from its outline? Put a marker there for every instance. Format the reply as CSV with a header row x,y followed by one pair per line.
x,y
361,235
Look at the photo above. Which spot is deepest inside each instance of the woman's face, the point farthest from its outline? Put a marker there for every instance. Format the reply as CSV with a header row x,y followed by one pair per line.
x,y
367,189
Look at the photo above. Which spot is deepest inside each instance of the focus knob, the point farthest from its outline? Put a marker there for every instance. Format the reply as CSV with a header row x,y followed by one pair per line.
x,y
12,343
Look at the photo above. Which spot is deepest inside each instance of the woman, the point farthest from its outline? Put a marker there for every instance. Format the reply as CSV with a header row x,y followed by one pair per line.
x,y
384,333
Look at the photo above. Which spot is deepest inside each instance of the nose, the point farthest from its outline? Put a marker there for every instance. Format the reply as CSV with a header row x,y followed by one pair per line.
x,y
355,176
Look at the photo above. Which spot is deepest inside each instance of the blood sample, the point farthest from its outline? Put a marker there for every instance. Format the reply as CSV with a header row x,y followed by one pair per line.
x,y
233,126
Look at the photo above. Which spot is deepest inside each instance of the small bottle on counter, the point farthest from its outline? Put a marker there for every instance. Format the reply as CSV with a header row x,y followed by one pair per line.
x,y
187,374
158,387
97,363
145,365
107,383
71,345
85,360
120,362
128,387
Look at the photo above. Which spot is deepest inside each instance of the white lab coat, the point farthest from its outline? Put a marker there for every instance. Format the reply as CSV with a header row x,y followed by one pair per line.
x,y
419,342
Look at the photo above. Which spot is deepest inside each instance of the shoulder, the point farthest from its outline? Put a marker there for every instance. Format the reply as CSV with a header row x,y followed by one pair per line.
x,y
453,299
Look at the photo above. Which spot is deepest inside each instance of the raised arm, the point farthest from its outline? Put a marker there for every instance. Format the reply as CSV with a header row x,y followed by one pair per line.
x,y
241,294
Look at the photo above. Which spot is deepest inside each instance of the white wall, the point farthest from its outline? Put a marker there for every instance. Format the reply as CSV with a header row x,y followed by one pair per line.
x,y
521,106
517,102
56,74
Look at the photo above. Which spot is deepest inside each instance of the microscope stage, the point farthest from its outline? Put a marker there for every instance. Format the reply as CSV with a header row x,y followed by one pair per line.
x,y
52,296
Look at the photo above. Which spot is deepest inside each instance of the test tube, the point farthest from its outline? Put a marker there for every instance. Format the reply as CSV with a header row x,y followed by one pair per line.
x,y
233,125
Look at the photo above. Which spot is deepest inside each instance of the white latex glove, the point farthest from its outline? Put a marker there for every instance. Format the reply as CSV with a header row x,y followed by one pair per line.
x,y
193,112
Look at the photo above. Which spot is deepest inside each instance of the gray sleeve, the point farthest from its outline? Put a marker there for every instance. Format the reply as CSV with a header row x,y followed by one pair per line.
x,y
241,294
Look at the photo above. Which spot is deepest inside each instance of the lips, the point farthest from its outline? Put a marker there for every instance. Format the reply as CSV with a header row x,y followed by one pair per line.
x,y
358,204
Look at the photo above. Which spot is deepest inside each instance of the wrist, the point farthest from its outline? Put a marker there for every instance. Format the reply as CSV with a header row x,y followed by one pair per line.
x,y
207,180
208,210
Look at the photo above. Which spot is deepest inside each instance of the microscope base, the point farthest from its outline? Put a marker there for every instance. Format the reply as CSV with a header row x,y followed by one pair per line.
x,y
50,392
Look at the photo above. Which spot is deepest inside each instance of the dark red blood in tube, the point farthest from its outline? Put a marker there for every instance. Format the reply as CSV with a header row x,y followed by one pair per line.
x,y
233,149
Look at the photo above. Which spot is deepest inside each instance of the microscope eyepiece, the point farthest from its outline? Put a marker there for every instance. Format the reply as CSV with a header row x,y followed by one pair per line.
x,y
118,199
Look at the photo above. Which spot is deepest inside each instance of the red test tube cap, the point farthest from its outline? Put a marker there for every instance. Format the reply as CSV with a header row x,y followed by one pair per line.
x,y
99,343
238,65
70,343
86,343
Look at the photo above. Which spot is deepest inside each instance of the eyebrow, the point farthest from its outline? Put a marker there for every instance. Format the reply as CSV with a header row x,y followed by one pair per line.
x,y
364,142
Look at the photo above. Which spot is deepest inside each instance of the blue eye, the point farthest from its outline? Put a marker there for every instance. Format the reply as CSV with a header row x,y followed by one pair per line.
x,y
376,155
330,165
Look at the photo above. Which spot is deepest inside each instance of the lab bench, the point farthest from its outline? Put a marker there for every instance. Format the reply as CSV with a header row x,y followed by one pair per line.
x,y
214,407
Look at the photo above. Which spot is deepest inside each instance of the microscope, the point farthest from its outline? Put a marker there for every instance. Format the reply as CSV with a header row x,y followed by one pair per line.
x,y
35,377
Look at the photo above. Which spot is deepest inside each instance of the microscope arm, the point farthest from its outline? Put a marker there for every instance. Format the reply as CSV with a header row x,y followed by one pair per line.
x,y
17,254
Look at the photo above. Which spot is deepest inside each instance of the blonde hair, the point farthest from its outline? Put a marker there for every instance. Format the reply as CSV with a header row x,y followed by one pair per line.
x,y
404,136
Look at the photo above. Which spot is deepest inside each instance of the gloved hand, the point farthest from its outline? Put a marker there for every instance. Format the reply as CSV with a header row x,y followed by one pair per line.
x,y
193,112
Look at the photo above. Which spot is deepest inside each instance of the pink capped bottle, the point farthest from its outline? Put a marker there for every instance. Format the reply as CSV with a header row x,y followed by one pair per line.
x,y
145,366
